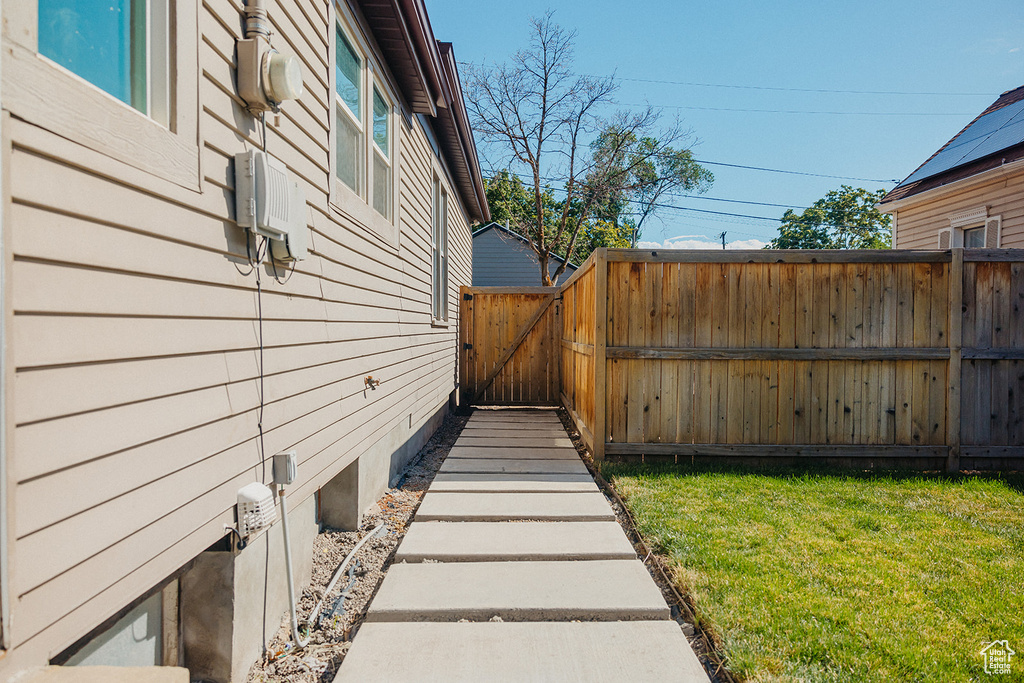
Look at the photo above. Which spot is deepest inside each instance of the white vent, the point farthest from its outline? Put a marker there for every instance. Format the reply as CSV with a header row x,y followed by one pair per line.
x,y
945,239
256,509
269,202
993,228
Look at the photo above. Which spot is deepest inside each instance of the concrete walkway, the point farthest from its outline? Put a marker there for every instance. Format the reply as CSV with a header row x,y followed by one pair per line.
x,y
515,569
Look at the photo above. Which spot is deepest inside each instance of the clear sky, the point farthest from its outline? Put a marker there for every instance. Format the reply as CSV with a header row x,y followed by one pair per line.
x,y
967,52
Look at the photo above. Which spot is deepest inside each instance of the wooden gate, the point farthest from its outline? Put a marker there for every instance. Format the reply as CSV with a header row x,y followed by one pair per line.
x,y
509,345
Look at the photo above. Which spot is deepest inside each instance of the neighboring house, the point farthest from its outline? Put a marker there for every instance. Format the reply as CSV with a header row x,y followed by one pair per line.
x,y
150,371
970,193
502,258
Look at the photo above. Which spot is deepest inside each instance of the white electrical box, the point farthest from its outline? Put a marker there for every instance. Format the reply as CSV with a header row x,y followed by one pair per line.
x,y
269,202
286,468
256,510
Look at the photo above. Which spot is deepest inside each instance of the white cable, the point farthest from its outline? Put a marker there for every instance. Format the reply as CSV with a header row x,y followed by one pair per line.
x,y
338,572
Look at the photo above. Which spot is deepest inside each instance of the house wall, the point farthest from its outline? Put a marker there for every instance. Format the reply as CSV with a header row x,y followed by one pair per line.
x,y
134,403
500,260
917,226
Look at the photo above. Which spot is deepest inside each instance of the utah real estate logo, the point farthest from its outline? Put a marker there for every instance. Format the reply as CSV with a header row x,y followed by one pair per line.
x,y
998,656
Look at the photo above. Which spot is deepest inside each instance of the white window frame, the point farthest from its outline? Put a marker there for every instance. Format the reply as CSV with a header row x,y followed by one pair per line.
x,y
164,142
386,155
963,222
360,179
358,206
439,207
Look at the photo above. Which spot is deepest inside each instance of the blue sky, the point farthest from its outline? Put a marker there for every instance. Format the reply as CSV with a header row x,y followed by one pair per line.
x,y
907,46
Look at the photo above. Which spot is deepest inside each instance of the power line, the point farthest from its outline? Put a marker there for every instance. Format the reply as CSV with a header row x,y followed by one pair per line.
x,y
733,86
800,111
815,90
777,170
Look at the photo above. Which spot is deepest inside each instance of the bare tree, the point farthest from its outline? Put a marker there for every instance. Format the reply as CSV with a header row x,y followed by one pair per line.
x,y
542,117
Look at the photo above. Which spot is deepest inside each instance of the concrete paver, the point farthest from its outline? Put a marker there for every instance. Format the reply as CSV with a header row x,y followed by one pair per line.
x,y
596,652
525,426
513,526
530,433
459,451
607,590
524,442
501,507
523,483
512,466
549,415
505,541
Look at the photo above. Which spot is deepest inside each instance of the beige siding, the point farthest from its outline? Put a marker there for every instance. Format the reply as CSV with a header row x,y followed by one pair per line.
x,y
136,348
918,225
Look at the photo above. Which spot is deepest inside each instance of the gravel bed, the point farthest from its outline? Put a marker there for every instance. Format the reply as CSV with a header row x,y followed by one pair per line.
x,y
318,662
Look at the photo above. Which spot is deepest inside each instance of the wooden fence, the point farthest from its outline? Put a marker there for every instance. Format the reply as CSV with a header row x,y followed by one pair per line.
x,y
879,357
509,354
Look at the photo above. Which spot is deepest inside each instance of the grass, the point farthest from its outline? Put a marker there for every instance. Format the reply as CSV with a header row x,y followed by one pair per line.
x,y
826,577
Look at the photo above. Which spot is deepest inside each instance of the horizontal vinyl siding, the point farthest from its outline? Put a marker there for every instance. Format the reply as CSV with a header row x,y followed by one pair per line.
x,y
136,346
918,226
503,261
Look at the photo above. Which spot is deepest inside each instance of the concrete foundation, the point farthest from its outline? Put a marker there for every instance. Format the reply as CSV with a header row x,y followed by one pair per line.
x,y
108,674
345,498
232,604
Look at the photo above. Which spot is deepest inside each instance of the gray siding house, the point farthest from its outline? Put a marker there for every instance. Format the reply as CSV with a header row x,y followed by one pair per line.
x,y
502,258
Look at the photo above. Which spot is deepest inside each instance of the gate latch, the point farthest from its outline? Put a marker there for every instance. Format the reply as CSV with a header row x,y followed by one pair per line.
x,y
466,347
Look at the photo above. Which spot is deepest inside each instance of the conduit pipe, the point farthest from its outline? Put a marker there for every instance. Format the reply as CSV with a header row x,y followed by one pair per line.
x,y
256,23
299,642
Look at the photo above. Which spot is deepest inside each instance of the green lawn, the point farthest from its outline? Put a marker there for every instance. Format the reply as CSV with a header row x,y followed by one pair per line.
x,y
826,577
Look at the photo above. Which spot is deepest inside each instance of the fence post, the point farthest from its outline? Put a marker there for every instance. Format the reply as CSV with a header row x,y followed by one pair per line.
x,y
465,344
600,344
956,298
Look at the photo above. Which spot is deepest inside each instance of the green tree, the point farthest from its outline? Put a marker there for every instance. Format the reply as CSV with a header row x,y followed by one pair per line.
x,y
512,204
642,171
847,218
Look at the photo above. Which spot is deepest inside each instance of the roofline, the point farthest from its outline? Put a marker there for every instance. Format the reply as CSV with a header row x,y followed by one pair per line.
x,y
403,32
519,237
951,188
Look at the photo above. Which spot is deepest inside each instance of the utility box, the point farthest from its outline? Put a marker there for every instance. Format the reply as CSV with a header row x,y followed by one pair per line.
x,y
271,203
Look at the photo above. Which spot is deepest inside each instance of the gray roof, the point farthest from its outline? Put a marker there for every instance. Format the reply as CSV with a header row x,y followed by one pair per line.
x,y
503,258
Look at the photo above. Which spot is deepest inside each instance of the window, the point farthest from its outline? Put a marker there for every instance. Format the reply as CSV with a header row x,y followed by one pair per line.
x,y
348,79
120,46
364,138
131,97
974,238
381,154
439,252
972,229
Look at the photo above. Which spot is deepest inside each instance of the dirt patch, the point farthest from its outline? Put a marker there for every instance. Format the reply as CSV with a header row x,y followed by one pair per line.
x,y
329,641
701,642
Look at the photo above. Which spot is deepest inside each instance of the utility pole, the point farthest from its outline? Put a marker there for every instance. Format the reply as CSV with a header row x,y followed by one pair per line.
x,y
723,239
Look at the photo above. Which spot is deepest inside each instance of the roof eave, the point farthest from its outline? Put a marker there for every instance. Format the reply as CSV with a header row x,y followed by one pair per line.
x,y
931,194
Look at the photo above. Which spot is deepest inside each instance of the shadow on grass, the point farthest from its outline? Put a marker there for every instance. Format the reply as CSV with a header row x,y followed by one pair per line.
x,y
1013,480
